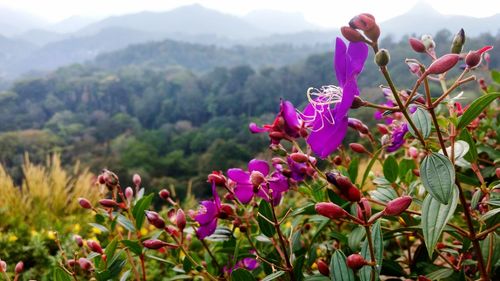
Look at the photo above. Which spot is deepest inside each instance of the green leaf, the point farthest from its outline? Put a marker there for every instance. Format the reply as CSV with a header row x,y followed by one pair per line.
x,y
99,226
353,169
378,245
265,226
242,275
133,246
122,220
422,121
495,75
125,275
355,237
440,274
438,176
383,194
58,274
475,108
339,269
391,169
434,218
370,165
490,214
138,211
471,155
273,276
316,277
405,166
111,248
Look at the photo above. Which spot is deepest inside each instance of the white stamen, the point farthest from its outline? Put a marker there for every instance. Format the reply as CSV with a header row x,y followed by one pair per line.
x,y
320,100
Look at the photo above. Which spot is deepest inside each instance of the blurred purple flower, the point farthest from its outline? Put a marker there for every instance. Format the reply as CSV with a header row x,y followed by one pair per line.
x,y
326,113
397,137
257,181
299,171
208,214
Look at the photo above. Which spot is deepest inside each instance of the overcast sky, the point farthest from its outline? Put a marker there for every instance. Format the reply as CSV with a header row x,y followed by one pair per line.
x,y
326,13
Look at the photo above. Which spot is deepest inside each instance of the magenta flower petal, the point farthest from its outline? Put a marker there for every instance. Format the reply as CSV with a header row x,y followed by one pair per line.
x,y
207,212
244,192
326,141
357,52
258,165
289,114
238,175
207,229
254,128
340,61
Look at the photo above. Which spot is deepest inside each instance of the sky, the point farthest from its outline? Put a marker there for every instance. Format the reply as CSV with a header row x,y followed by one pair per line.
x,y
325,13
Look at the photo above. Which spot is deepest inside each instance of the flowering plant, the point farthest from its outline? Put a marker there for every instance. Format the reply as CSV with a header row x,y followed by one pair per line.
x,y
422,205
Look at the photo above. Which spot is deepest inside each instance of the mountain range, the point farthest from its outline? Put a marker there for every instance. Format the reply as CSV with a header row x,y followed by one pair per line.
x,y
28,43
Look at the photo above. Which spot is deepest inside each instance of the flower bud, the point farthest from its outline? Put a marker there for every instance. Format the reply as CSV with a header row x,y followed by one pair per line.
x,y
155,219
19,267
338,180
257,178
363,22
85,264
95,246
414,68
366,209
382,129
101,179
330,210
78,240
226,211
397,206
323,267
137,180
413,152
458,42
108,203
129,193
154,244
443,64
428,42
180,219
71,263
164,194
417,45
3,266
355,261
357,125
217,177
358,148
497,172
351,34
352,194
423,278
299,157
110,179
382,57
84,203
358,102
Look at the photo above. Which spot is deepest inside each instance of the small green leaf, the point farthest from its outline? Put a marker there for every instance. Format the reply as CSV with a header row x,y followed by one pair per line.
x,y
475,108
438,176
273,276
265,226
111,248
99,226
123,221
353,169
125,275
339,269
391,169
440,274
435,216
355,237
422,121
138,211
133,246
383,194
242,275
370,165
490,214
495,75
378,245
59,274
471,155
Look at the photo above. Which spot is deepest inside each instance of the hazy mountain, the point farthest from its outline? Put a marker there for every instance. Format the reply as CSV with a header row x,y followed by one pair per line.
x,y
71,24
423,19
11,51
279,22
191,20
40,37
13,22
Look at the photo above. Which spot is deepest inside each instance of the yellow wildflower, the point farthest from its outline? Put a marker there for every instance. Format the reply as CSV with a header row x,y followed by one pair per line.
x,y
96,230
77,227
12,238
51,235
144,231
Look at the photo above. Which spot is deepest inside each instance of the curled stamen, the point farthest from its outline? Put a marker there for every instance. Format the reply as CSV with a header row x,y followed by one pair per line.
x,y
320,100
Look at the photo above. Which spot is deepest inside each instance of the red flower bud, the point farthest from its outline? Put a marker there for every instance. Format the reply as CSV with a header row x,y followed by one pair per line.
x,y
78,240
85,264
71,263
19,267
164,194
443,64
108,203
363,22
497,172
330,210
3,266
366,209
397,206
337,160
180,219
299,157
473,58
101,179
129,193
338,180
351,34
154,244
355,261
95,246
357,147
423,278
257,178
358,102
323,267
382,129
110,179
217,177
84,203
417,45
352,194
137,180
155,219
226,211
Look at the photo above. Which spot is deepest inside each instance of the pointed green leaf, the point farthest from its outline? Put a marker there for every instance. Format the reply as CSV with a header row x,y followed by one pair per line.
x,y
471,155
378,245
273,276
391,169
438,176
475,108
353,169
265,226
435,216
422,121
125,222
138,211
370,165
242,275
59,274
339,269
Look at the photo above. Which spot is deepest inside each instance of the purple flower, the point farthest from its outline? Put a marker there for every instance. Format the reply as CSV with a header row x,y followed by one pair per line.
x,y
299,171
257,181
326,113
286,125
245,263
208,214
397,137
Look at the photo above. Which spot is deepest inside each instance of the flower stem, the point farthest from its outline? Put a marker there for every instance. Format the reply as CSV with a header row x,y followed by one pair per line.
x,y
372,251
433,115
282,242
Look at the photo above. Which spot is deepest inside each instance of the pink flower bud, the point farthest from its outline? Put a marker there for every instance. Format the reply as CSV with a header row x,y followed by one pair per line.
x,y
299,157
19,267
473,58
497,172
78,240
217,177
363,22
397,206
358,148
95,246
137,180
352,194
129,193
101,179
330,210
257,178
84,203
355,261
85,264
109,203
323,267
413,152
154,244
367,209
351,34
338,180
443,64
164,194
3,266
382,129
71,263
414,68
180,220
155,219
417,45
